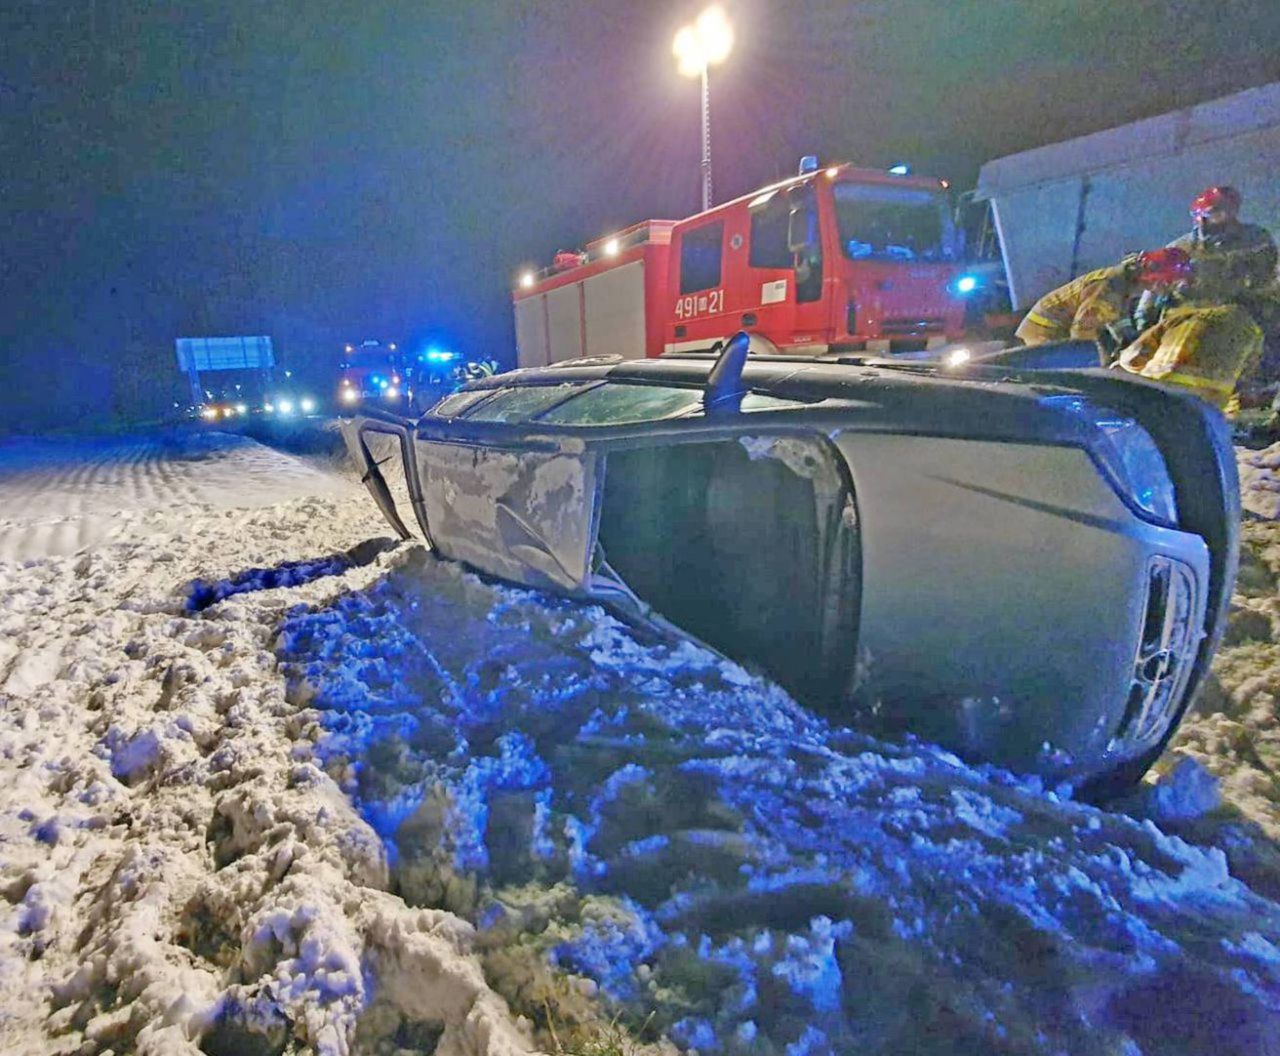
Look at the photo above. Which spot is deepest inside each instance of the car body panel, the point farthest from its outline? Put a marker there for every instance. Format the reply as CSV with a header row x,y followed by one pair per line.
x,y
1010,604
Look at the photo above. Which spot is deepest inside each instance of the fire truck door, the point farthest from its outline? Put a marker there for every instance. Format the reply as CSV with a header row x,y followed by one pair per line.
x,y
781,285
811,323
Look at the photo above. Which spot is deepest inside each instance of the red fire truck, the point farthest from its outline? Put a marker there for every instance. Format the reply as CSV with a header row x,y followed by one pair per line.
x,y
833,259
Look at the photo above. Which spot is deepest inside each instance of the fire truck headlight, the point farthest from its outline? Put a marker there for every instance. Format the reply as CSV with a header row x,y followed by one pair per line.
x,y
350,395
966,284
308,405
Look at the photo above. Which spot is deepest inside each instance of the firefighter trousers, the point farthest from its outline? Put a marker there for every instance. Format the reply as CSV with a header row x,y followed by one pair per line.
x,y
1204,350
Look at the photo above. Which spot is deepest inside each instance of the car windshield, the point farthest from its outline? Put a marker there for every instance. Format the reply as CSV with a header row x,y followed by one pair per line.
x,y
888,222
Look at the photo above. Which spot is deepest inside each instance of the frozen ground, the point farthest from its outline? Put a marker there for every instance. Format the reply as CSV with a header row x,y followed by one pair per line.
x,y
270,787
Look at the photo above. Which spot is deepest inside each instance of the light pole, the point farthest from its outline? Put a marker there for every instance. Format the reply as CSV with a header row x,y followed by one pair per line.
x,y
697,48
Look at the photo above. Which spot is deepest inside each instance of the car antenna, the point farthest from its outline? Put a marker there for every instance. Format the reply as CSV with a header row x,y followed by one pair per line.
x,y
724,390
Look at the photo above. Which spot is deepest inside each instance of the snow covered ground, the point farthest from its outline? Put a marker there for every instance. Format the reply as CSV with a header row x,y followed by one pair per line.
x,y
272,784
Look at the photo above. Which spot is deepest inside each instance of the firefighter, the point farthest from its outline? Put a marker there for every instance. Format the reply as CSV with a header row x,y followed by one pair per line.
x,y
1235,262
1210,342
1086,307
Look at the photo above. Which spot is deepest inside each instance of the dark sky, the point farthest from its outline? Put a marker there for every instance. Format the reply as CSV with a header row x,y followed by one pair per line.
x,y
327,171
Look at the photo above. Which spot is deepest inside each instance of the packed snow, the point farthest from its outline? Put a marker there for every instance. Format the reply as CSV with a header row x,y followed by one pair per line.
x,y
275,783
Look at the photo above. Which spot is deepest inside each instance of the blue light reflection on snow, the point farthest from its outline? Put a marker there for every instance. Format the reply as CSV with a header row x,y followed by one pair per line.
x,y
760,880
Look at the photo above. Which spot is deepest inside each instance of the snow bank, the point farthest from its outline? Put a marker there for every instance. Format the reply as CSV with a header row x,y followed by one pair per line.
x,y
1234,730
695,850
177,875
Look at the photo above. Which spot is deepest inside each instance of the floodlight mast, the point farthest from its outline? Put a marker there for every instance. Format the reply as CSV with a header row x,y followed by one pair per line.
x,y
697,47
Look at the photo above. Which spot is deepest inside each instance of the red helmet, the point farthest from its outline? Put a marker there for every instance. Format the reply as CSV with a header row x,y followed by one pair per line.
x,y
1163,267
1226,199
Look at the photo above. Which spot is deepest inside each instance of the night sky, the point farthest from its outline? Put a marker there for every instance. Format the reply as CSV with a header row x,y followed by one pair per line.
x,y
325,172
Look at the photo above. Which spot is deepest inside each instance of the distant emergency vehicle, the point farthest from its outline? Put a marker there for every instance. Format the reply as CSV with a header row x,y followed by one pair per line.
x,y
372,370
833,259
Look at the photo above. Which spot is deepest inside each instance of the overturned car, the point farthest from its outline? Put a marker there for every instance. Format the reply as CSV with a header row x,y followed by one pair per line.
x,y
1031,569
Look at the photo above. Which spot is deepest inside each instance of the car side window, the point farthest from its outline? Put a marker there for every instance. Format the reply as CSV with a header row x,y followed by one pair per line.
x,y
701,252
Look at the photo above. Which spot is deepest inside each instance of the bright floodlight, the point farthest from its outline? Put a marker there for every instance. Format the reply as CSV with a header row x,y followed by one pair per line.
x,y
966,283
611,248
958,356
526,280
705,43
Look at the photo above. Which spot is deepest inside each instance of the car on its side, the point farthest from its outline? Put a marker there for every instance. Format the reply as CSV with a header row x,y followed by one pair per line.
x,y
1030,569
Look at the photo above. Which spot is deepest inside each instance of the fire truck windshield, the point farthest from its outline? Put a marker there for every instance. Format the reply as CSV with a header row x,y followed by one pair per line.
x,y
375,359
880,221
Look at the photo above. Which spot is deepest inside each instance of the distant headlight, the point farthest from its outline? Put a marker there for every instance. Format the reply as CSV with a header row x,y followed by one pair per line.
x,y
350,395
269,408
392,393
285,406
242,408
307,404
957,357
1129,458
209,413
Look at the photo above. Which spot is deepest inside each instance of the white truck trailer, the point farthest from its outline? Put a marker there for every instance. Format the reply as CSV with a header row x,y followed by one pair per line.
x,y
1064,209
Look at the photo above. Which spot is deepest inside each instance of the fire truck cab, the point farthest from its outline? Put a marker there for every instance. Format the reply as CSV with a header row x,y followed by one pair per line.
x,y
834,259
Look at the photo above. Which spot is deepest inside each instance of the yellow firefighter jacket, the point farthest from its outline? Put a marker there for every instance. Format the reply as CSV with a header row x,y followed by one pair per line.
x,y
1080,309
